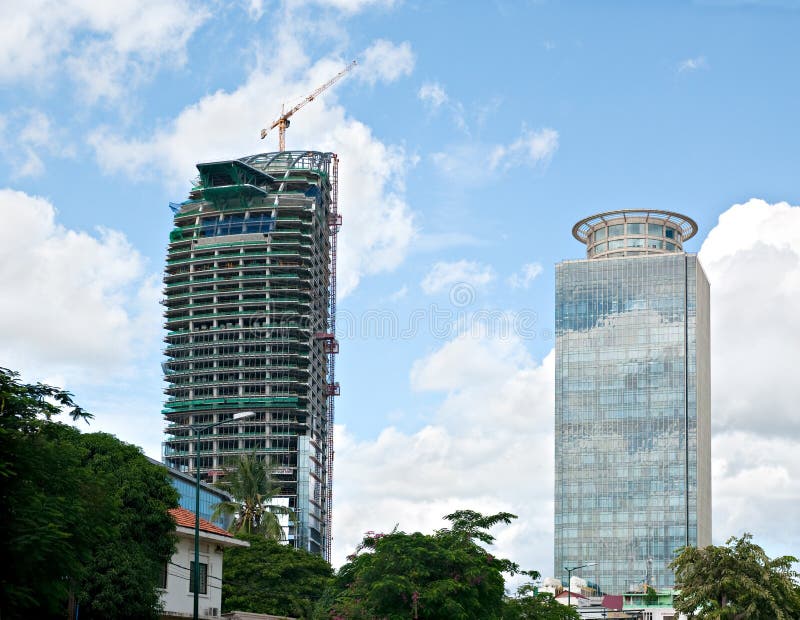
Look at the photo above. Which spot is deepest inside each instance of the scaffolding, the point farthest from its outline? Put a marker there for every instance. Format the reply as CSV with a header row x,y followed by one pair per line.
x,y
250,303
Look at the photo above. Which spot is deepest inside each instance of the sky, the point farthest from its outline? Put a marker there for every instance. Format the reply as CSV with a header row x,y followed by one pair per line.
x,y
471,136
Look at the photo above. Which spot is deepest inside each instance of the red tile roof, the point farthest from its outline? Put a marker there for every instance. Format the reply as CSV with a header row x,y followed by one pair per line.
x,y
185,518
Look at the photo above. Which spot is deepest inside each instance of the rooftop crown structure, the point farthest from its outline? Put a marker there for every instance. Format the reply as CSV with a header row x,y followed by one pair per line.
x,y
250,300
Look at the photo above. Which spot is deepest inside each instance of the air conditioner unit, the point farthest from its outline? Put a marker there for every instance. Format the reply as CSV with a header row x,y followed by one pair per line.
x,y
212,611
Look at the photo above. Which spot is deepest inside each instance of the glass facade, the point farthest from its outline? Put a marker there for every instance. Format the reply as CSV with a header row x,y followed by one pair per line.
x,y
632,431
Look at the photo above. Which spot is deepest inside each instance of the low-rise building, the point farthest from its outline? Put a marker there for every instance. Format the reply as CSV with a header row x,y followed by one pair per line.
x,y
178,577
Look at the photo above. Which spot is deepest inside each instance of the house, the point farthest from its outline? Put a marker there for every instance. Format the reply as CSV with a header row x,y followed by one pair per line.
x,y
178,580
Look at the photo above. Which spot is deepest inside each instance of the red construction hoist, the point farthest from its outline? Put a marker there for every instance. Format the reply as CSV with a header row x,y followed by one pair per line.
x,y
331,347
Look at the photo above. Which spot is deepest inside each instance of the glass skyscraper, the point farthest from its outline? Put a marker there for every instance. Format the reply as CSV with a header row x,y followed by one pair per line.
x,y
632,415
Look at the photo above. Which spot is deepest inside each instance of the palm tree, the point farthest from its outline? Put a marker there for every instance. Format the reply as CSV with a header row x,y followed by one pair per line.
x,y
251,485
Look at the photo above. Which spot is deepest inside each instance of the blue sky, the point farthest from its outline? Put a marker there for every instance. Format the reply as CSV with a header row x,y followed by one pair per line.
x,y
472,136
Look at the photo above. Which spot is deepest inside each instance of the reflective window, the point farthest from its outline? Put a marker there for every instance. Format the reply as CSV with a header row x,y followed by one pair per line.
x,y
621,412
655,230
671,233
600,247
656,244
670,246
635,243
635,229
617,230
600,234
616,244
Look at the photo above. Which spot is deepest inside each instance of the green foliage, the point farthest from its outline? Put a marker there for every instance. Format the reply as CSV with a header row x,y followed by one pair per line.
x,y
252,487
272,578
530,604
650,596
446,575
81,515
734,582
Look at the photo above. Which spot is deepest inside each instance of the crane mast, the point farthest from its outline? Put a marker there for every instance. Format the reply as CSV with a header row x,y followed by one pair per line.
x,y
283,120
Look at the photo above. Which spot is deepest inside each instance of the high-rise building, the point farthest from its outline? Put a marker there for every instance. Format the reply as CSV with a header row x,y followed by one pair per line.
x,y
632,414
250,296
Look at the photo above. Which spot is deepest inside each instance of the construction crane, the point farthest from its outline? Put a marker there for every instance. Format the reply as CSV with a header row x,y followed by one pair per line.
x,y
283,120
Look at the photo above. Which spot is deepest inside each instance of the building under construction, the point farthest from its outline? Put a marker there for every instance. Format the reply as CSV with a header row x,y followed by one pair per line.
x,y
250,296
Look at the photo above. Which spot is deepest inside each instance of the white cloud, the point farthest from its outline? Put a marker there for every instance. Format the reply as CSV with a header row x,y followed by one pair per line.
x,y
26,135
378,224
526,276
352,6
752,259
446,274
531,149
433,94
76,305
756,489
692,64
384,61
488,448
103,46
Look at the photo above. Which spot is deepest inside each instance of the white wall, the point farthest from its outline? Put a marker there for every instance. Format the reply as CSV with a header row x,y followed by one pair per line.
x,y
177,598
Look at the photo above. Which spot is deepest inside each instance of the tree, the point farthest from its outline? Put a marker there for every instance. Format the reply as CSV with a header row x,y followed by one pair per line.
x,y
76,511
138,538
272,578
253,489
446,575
734,582
530,604
650,596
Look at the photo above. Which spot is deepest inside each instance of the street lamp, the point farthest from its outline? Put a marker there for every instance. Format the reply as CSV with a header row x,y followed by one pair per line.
x,y
197,429
569,579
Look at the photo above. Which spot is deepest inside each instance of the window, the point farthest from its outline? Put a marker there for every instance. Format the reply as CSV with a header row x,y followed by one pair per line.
x,y
600,247
671,233
655,230
670,246
203,578
635,229
635,243
600,234
655,244
617,230
616,244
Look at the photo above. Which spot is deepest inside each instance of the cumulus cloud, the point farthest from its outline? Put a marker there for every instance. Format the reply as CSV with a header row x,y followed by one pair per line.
x,y
752,259
75,305
104,47
378,223
384,61
489,447
526,276
446,274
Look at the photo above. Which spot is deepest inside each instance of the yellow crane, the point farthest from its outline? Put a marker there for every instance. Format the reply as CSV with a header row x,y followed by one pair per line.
x,y
283,120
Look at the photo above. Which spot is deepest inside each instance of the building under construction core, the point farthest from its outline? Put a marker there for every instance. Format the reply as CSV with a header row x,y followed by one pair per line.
x,y
250,313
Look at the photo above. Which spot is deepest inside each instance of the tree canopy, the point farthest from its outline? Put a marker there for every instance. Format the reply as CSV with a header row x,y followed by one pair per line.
x,y
530,604
250,483
269,577
446,575
84,516
736,581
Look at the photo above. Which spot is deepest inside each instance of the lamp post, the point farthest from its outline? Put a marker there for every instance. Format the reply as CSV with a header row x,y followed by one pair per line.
x,y
569,579
197,429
